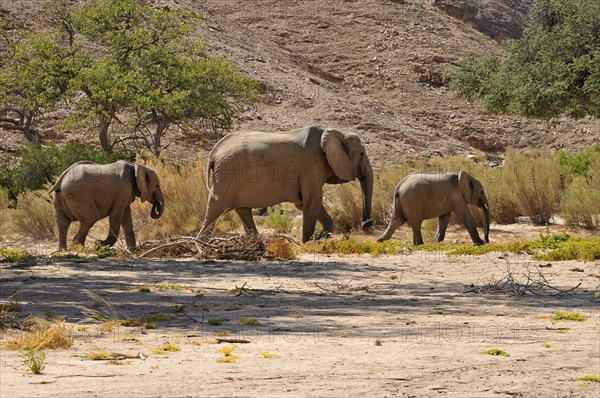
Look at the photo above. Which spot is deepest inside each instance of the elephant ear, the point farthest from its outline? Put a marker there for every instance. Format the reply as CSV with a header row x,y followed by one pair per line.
x,y
141,180
465,185
332,143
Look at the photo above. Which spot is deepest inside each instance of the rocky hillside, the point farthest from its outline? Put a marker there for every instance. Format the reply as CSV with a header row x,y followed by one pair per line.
x,y
376,67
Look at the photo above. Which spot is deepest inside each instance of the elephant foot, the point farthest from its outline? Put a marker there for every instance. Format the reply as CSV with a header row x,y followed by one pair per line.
x,y
479,243
106,242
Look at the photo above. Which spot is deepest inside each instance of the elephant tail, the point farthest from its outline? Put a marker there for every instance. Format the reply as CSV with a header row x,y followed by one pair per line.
x,y
209,187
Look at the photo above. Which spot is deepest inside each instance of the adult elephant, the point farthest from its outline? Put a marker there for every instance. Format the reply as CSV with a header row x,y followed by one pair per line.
x,y
421,196
258,169
87,192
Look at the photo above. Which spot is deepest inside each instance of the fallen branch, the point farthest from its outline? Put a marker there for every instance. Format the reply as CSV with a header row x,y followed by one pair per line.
x,y
531,282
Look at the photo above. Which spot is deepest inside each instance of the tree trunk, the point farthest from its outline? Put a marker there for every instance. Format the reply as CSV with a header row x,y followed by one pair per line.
x,y
104,140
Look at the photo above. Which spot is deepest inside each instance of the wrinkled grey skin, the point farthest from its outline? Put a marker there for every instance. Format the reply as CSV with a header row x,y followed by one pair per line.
x,y
258,169
87,192
421,196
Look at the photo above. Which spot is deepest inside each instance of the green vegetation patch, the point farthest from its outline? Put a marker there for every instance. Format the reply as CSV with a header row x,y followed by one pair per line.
x,y
249,321
589,378
14,255
551,247
562,316
495,352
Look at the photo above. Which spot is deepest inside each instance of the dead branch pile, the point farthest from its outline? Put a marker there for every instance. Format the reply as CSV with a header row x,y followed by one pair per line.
x,y
520,284
235,247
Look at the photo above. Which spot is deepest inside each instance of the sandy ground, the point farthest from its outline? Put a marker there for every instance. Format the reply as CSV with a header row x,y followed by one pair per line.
x,y
339,326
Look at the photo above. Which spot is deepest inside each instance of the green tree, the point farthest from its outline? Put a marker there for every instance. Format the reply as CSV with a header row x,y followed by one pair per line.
x,y
150,67
554,68
128,70
35,71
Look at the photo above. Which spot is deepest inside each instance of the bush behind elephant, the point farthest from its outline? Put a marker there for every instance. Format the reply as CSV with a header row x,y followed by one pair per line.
x,y
421,196
257,169
88,192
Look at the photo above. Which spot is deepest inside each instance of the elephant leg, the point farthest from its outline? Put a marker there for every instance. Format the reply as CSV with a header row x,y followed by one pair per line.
x,y
63,223
416,229
467,218
79,238
311,211
245,214
114,221
325,219
214,209
443,221
396,221
127,226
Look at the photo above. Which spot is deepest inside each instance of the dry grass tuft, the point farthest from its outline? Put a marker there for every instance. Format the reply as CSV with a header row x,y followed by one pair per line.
x,y
34,215
344,204
43,335
535,180
185,194
282,248
580,203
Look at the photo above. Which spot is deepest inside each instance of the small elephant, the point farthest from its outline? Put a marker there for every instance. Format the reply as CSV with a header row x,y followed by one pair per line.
x,y
421,196
87,192
258,169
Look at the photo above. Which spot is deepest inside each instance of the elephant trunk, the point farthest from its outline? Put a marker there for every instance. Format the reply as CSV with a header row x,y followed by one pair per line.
x,y
486,219
158,205
366,185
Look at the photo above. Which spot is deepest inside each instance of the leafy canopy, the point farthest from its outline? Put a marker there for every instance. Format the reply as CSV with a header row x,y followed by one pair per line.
x,y
125,67
554,68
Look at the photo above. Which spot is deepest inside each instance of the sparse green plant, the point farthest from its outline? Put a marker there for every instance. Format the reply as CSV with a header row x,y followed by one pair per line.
x,y
227,356
179,308
249,322
268,355
159,318
563,316
546,345
170,286
215,321
297,314
345,335
169,347
144,290
321,235
102,251
495,352
34,360
595,379
561,331
378,343
279,219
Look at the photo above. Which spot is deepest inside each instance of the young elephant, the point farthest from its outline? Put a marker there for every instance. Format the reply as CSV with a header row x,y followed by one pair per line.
x,y
87,192
421,196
